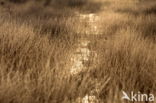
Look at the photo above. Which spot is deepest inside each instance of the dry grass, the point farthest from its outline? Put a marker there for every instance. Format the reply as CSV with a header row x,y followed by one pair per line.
x,y
35,49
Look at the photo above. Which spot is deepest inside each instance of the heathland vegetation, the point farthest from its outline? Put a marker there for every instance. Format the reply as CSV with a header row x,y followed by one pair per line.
x,y
37,38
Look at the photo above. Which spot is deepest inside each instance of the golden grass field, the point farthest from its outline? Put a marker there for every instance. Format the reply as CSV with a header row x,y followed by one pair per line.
x,y
37,39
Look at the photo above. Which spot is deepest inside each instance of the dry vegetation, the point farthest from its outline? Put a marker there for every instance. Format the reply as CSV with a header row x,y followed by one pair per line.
x,y
36,42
